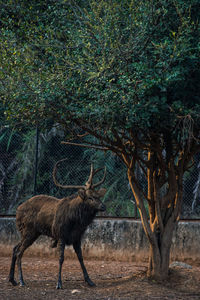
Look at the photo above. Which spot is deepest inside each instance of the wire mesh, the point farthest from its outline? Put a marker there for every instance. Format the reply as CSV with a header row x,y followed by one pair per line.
x,y
21,177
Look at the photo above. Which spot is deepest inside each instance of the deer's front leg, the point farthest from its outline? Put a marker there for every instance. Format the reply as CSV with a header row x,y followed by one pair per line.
x,y
77,249
61,260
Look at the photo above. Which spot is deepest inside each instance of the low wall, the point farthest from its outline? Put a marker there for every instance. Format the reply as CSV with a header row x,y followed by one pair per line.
x,y
116,239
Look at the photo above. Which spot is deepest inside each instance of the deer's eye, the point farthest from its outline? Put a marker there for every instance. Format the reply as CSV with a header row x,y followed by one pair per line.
x,y
93,199
90,198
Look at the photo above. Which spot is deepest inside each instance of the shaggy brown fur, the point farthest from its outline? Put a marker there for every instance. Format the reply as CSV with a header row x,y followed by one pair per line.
x,y
64,220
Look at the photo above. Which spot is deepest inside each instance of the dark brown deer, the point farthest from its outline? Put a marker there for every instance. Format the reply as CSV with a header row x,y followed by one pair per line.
x,y
64,220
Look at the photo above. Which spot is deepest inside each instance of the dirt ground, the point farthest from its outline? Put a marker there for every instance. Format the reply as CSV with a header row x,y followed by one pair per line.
x,y
114,280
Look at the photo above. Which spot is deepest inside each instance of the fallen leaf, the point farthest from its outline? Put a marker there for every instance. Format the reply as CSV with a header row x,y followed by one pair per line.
x,y
75,291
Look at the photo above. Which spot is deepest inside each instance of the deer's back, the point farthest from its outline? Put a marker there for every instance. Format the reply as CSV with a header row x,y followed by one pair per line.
x,y
37,214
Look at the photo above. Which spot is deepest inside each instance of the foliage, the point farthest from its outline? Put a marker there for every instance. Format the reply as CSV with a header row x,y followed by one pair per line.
x,y
102,58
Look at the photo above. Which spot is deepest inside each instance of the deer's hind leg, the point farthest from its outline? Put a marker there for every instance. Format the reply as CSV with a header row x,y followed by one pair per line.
x,y
12,267
18,251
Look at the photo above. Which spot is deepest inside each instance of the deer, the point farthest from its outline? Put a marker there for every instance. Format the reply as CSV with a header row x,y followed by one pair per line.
x,y
64,220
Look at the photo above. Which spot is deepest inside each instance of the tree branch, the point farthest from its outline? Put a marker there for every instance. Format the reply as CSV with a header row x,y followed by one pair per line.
x,y
157,199
141,207
86,146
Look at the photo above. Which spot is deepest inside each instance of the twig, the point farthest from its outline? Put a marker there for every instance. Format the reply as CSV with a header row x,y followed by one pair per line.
x,y
86,146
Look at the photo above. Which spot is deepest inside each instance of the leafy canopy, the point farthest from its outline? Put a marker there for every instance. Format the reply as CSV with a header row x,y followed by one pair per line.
x,y
114,64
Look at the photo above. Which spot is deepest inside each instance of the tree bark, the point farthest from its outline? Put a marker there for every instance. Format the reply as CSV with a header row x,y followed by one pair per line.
x,y
159,255
158,226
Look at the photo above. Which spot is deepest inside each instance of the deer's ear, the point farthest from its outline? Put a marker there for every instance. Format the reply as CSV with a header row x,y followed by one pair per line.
x,y
82,194
102,192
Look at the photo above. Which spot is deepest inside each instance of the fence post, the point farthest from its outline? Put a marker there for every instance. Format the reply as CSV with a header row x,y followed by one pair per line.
x,y
36,160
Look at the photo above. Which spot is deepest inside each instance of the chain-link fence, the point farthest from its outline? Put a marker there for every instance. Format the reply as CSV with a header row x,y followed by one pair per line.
x,y
27,160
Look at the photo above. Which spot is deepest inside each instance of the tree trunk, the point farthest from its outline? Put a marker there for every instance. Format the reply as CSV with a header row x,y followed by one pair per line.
x,y
159,255
158,227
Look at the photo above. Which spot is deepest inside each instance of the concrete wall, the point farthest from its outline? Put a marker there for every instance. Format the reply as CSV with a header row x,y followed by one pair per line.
x,y
117,239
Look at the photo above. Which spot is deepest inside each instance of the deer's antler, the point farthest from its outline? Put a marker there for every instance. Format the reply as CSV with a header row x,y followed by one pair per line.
x,y
88,185
64,186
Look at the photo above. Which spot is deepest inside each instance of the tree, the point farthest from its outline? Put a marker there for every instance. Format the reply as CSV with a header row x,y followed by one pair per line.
x,y
127,73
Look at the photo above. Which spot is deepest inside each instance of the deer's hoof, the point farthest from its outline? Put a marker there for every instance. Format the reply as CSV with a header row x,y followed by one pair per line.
x,y
13,281
90,282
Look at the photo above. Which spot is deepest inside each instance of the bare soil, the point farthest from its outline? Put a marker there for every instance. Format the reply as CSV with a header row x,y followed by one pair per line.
x,y
114,280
